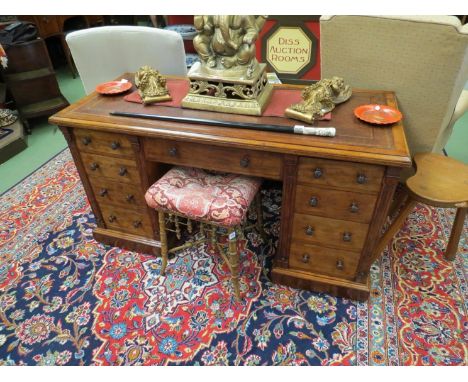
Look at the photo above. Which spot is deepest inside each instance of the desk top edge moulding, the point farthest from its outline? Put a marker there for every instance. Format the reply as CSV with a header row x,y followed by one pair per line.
x,y
228,77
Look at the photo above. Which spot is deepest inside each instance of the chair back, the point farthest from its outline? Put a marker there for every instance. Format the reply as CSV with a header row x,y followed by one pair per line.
x,y
424,59
102,54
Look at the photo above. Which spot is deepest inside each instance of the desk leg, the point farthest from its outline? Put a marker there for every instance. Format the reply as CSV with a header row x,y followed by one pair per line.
x,y
287,210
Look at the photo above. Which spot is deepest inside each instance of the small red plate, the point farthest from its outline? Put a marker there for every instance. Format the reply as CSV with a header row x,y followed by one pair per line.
x,y
378,114
113,87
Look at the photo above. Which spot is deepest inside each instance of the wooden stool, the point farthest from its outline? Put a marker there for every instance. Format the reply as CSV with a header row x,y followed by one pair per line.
x,y
440,182
213,200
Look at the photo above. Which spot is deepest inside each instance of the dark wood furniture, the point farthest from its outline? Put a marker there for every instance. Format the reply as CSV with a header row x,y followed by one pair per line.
x,y
56,26
336,191
31,80
439,181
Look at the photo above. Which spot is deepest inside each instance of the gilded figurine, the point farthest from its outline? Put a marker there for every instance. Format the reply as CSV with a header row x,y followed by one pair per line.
x,y
151,85
229,77
319,99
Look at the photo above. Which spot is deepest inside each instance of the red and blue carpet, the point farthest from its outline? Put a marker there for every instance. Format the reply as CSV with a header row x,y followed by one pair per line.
x,y
67,300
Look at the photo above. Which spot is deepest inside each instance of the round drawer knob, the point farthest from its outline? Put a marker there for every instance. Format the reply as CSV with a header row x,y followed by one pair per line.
x,y
137,223
123,171
354,208
86,141
347,236
112,218
245,161
309,230
305,258
130,198
361,178
340,264
313,202
318,173
94,166
103,192
173,151
115,145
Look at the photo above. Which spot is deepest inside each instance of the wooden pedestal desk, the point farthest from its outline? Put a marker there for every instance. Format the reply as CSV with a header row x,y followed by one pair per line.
x,y
336,191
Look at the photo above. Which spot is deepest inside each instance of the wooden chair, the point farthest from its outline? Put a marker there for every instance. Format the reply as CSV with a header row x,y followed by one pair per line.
x,y
217,202
32,82
439,181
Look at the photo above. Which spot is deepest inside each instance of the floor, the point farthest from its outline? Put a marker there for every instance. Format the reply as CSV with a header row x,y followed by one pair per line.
x,y
46,140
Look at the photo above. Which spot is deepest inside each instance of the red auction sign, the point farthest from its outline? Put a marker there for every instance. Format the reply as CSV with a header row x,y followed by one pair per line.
x,y
290,45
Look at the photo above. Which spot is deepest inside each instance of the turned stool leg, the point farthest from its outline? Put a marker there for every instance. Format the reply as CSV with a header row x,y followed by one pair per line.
x,y
233,257
214,242
395,226
457,228
258,205
163,239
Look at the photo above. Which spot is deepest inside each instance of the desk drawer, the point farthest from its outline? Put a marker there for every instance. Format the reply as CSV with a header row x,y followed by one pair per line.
x,y
133,221
104,143
347,175
322,260
330,232
118,169
122,193
344,205
239,161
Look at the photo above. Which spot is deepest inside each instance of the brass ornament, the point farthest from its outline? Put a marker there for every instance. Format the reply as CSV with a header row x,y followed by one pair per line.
x,y
151,85
7,117
228,78
319,99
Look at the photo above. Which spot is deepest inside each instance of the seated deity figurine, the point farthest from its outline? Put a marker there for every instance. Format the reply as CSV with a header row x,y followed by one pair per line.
x,y
227,41
228,77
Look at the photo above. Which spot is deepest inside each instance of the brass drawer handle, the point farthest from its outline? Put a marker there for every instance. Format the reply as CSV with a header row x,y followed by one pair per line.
x,y
309,230
245,161
86,141
318,172
123,171
137,223
94,166
313,202
173,151
112,218
103,192
305,258
129,198
347,236
340,264
361,178
115,145
354,207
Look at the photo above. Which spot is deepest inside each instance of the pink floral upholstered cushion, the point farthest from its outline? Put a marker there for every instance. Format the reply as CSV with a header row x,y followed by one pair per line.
x,y
219,198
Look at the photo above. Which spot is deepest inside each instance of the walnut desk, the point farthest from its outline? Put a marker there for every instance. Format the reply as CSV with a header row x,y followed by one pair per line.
x,y
336,191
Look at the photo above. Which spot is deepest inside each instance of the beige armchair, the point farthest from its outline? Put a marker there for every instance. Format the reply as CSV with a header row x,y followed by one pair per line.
x,y
423,59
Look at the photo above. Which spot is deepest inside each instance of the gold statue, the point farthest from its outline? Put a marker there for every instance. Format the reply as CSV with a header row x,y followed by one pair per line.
x,y
151,85
319,99
229,77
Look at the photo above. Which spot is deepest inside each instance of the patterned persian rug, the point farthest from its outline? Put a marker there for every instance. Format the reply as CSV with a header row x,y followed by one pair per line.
x,y
67,300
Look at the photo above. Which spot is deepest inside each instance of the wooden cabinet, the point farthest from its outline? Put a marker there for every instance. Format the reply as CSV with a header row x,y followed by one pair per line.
x,y
31,80
336,191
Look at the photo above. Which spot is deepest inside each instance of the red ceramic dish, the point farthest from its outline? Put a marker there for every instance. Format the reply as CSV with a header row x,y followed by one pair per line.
x,y
113,87
378,114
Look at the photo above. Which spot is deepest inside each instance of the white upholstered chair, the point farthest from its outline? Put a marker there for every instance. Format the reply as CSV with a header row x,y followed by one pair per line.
x,y
102,54
423,59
